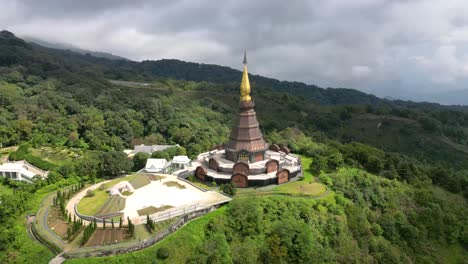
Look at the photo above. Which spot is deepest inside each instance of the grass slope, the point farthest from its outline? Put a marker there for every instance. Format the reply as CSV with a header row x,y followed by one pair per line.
x,y
139,181
302,188
90,205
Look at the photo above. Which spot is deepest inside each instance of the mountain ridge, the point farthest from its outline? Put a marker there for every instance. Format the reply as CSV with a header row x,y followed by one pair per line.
x,y
70,47
193,71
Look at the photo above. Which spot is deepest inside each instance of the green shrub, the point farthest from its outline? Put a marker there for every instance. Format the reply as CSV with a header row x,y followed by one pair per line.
x,y
191,178
40,163
228,188
162,253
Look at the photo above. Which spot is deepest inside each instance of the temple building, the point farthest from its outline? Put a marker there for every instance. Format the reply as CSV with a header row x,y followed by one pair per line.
x,y
246,159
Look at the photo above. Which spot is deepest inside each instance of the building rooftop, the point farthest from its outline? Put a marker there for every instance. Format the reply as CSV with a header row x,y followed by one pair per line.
x,y
155,164
151,148
23,167
180,159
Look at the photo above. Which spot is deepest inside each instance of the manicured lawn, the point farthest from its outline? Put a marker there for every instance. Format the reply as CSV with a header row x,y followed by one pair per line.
x,y
181,245
302,188
90,205
174,184
154,177
115,181
151,210
140,180
113,204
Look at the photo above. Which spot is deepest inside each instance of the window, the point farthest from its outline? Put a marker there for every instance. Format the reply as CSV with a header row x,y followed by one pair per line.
x,y
244,156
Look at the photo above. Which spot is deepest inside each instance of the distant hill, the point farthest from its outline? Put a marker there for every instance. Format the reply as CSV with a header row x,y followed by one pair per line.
x,y
66,46
459,97
428,131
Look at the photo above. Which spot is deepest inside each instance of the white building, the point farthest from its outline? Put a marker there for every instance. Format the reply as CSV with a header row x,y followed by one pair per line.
x,y
156,165
21,171
147,149
180,162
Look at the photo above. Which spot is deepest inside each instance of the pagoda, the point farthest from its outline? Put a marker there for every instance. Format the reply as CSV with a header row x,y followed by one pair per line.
x,y
246,140
246,160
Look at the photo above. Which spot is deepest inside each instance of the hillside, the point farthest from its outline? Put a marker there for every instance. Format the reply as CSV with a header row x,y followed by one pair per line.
x,y
59,86
396,172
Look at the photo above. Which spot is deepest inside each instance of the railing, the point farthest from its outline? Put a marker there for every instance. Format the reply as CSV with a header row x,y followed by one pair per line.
x,y
130,246
158,217
189,182
86,217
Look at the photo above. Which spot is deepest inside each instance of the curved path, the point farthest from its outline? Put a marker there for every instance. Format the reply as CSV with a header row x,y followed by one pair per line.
x,y
77,197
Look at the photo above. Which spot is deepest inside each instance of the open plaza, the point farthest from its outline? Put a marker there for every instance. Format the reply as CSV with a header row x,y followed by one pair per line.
x,y
137,196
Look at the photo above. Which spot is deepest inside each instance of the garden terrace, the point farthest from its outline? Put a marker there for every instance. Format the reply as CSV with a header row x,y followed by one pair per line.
x,y
152,210
112,207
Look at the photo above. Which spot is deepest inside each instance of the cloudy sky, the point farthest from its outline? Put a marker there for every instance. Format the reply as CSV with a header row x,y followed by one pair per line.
x,y
394,47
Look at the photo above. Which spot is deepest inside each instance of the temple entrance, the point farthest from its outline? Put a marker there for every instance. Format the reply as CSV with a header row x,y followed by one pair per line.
x,y
244,156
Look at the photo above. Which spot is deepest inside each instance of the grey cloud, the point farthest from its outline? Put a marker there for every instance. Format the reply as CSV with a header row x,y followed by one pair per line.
x,y
382,46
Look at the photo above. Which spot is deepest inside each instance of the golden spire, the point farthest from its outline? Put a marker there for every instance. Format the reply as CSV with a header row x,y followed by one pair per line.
x,y
245,84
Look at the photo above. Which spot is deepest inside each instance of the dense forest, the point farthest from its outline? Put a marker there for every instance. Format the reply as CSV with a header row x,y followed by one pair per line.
x,y
399,170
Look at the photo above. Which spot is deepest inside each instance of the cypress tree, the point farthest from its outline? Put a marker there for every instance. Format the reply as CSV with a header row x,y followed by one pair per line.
x,y
69,233
112,221
104,223
120,223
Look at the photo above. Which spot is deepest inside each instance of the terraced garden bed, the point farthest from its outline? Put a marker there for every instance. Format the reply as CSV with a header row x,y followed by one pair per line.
x,y
153,177
55,223
106,236
113,205
140,180
174,184
152,210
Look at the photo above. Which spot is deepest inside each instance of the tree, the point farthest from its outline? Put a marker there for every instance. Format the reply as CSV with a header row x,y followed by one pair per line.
x,y
245,216
229,189
139,161
335,161
290,238
162,253
374,164
114,163
318,164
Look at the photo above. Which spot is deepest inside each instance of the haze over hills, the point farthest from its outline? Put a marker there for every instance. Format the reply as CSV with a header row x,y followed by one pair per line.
x,y
67,46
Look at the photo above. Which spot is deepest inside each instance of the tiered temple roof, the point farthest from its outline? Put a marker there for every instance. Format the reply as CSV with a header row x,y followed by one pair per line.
x,y
246,134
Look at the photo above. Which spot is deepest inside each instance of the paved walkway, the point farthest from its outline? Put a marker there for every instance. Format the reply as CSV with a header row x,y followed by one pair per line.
x,y
58,259
76,198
